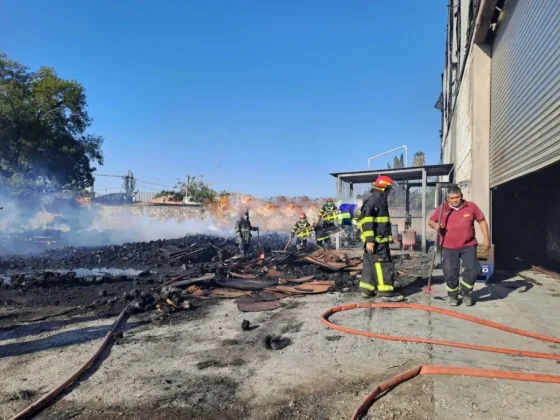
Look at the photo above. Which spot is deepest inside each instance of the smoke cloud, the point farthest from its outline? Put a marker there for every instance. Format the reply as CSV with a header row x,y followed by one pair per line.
x,y
25,226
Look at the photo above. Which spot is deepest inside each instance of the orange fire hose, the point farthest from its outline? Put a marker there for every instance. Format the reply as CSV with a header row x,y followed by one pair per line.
x,y
444,370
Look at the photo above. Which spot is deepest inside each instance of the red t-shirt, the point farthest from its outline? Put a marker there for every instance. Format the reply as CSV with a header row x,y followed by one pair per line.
x,y
457,226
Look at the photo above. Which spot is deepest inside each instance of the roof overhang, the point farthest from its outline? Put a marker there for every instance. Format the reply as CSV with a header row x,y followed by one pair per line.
x,y
399,174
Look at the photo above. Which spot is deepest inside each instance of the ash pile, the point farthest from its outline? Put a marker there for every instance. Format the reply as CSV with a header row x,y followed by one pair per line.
x,y
176,275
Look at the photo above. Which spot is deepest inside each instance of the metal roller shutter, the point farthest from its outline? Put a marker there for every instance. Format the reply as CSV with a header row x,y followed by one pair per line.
x,y
525,90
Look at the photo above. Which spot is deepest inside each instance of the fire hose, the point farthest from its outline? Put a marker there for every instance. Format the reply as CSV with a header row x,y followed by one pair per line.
x,y
444,370
47,398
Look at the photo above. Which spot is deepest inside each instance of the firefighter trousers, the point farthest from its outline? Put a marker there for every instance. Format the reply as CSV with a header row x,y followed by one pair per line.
x,y
301,242
243,249
378,272
452,259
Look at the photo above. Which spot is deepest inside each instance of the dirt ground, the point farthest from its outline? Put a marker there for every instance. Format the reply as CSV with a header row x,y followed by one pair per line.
x,y
200,364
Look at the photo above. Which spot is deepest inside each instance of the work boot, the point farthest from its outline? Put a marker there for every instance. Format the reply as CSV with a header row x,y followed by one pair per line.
x,y
366,294
467,300
453,300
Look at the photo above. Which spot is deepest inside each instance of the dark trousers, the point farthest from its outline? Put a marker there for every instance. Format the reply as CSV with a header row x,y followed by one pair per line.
x,y
452,265
378,272
301,242
243,249
323,238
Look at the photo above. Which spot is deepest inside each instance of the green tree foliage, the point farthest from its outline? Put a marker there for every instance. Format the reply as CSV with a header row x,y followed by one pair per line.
x,y
43,123
419,159
397,198
197,191
174,195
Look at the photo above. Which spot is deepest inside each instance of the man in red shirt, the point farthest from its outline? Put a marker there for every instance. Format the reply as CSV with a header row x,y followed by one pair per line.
x,y
458,242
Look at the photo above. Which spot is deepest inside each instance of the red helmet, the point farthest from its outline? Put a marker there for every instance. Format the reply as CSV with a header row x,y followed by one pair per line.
x,y
302,216
383,181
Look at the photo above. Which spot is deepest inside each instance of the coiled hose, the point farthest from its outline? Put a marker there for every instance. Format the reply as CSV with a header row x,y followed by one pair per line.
x,y
444,370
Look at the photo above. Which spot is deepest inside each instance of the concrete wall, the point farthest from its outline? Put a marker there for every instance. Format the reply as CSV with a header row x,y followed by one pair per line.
x,y
181,214
178,213
466,143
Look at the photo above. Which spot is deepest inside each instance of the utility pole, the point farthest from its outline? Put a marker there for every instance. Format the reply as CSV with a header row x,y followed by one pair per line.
x,y
187,181
129,185
218,166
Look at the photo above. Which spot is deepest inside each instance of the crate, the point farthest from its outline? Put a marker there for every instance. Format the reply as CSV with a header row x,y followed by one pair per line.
x,y
486,262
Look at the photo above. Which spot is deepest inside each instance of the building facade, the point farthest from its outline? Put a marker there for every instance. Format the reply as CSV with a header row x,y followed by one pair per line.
x,y
500,108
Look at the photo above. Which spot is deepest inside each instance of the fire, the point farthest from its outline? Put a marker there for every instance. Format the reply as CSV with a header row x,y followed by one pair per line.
x,y
276,214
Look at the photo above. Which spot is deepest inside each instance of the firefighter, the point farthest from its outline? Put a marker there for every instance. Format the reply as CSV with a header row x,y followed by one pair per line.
x,y
348,217
302,230
375,225
327,215
243,229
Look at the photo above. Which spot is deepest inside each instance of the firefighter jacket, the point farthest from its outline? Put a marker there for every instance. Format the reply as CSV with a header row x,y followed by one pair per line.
x,y
243,230
375,223
328,212
347,216
302,229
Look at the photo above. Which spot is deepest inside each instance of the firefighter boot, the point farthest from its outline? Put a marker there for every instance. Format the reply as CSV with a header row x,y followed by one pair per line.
x,y
366,294
467,299
453,300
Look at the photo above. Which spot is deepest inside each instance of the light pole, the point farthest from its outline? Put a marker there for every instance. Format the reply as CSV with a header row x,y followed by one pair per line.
x,y
390,151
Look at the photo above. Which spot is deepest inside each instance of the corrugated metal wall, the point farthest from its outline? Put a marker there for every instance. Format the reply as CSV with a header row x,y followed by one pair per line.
x,y
144,196
525,92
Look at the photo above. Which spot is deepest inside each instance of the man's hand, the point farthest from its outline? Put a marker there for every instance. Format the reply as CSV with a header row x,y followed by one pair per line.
x,y
486,245
435,226
370,247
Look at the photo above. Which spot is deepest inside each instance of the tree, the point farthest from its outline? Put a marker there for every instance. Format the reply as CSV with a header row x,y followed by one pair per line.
x,y
419,159
197,191
398,162
43,124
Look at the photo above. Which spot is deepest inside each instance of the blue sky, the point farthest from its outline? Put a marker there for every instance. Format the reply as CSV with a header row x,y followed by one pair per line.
x,y
277,93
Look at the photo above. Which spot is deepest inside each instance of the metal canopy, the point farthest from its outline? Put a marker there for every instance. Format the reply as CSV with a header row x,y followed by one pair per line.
x,y
398,174
416,173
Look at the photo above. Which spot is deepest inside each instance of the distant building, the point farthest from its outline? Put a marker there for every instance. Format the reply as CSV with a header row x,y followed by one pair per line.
x,y
500,117
143,197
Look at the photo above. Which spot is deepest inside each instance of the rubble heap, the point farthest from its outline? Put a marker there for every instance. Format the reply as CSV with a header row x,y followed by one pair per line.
x,y
176,273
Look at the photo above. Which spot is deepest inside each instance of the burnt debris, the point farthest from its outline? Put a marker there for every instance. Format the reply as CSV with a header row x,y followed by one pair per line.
x,y
171,275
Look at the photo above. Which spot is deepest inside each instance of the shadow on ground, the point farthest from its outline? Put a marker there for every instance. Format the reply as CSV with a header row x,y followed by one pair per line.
x,y
29,329
63,339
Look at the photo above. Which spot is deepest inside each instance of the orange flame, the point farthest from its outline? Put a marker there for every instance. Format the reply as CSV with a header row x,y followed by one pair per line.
x,y
277,214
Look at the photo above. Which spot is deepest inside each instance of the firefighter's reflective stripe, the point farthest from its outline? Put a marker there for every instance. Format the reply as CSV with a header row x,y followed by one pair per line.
x,y
305,233
452,289
323,238
329,213
467,285
345,215
302,229
367,286
376,239
381,286
367,227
